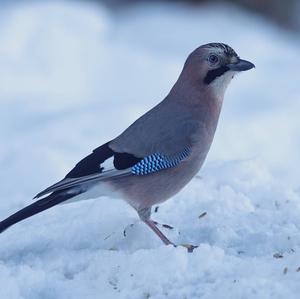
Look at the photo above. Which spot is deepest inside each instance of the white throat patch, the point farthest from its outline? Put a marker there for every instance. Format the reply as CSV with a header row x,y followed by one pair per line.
x,y
220,84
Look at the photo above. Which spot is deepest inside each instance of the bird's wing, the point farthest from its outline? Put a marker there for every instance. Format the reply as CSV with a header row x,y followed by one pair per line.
x,y
68,183
101,164
166,129
162,138
95,167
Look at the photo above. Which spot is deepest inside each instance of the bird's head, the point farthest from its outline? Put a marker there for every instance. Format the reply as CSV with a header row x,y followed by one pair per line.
x,y
212,66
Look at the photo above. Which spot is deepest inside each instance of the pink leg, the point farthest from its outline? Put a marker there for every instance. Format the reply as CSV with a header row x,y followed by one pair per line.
x,y
152,225
145,217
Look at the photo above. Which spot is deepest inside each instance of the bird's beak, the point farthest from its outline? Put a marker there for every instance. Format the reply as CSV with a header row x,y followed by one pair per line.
x,y
241,65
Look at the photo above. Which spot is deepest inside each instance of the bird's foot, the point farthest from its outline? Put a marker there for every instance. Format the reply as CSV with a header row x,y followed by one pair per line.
x,y
189,247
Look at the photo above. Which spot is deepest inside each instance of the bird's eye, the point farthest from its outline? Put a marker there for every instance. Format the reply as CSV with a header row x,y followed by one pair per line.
x,y
213,59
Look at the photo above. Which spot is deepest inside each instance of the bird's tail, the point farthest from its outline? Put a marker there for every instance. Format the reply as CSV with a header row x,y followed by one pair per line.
x,y
37,207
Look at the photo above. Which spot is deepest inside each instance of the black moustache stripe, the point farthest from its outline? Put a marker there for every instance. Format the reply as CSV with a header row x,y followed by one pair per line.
x,y
213,74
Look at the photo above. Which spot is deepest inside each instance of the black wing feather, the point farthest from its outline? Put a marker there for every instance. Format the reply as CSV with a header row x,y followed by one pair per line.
x,y
92,163
124,160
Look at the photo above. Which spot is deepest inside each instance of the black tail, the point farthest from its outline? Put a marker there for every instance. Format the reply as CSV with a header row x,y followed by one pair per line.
x,y
35,208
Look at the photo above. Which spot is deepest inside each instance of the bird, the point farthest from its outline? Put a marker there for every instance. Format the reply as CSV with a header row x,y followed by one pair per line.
x,y
159,153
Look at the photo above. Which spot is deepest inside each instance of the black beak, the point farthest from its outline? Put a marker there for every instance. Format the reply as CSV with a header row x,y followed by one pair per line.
x,y
241,65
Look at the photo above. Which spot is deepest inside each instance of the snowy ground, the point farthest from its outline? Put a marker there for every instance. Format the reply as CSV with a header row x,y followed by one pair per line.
x,y
72,76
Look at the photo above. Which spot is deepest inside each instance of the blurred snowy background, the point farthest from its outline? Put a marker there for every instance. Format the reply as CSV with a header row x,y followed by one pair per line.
x,y
73,75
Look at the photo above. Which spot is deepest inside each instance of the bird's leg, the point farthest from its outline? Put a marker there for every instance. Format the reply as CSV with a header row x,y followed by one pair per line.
x,y
145,217
152,225
162,224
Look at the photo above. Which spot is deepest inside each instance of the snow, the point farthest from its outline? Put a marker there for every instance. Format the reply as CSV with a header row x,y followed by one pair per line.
x,y
73,76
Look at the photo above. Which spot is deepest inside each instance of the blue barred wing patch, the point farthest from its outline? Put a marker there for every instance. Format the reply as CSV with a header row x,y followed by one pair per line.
x,y
157,162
